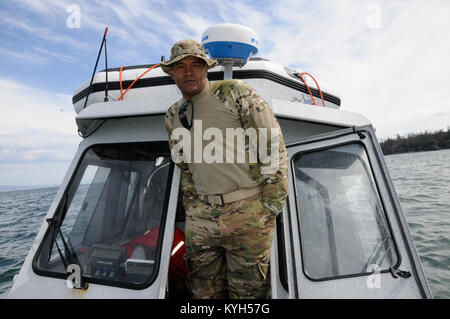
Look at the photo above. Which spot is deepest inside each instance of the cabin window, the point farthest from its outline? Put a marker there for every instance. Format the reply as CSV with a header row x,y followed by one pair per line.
x,y
343,228
112,216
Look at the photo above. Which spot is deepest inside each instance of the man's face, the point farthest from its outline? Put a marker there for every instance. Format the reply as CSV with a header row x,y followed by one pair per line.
x,y
191,75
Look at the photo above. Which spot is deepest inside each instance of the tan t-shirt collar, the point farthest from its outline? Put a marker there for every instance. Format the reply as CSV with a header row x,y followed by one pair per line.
x,y
203,93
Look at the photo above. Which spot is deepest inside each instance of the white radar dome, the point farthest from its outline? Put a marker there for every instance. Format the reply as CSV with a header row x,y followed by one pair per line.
x,y
227,41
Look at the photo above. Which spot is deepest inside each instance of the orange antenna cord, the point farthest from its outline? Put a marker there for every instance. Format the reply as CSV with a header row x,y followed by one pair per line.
x,y
140,76
307,86
317,84
121,90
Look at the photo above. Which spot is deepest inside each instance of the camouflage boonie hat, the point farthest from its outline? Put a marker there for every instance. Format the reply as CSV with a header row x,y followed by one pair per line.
x,y
185,48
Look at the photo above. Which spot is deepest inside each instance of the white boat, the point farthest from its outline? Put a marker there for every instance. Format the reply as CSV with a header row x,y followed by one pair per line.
x,y
115,227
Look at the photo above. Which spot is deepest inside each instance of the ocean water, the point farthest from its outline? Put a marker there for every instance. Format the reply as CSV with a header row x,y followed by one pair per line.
x,y
21,215
422,182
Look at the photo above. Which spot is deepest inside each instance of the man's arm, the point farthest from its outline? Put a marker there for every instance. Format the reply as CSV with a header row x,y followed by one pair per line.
x,y
254,112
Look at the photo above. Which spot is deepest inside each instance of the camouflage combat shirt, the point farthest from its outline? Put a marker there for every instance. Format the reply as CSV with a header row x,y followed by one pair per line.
x,y
222,105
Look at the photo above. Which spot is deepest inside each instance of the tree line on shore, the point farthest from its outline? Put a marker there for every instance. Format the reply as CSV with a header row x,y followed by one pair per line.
x,y
417,142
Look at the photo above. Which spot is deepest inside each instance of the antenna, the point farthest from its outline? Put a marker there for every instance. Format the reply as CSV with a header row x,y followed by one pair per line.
x,y
95,68
231,45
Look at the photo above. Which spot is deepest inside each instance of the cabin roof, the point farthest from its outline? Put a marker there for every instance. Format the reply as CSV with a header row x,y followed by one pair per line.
x,y
281,108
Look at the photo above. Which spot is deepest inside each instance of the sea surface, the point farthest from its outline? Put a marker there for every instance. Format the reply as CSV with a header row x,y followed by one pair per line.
x,y
422,182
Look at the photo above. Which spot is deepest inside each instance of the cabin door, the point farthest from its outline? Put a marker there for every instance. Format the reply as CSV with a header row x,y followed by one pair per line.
x,y
344,231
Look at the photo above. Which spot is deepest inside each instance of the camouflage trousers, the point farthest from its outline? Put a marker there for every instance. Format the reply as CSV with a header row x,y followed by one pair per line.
x,y
228,249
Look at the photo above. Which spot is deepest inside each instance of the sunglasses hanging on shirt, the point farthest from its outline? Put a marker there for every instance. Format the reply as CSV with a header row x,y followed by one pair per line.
x,y
182,114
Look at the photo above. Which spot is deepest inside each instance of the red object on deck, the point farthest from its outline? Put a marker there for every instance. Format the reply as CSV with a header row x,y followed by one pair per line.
x,y
177,268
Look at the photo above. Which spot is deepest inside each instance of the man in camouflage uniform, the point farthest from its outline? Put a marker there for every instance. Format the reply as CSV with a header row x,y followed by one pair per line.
x,y
230,206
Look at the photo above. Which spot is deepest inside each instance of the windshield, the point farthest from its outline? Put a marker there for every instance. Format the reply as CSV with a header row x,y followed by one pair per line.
x,y
343,228
112,214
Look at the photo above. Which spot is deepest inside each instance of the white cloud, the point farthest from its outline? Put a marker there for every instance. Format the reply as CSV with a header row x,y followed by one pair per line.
x,y
397,75
37,56
38,135
51,35
28,57
195,25
45,7
37,126
63,57
37,146
26,108
31,174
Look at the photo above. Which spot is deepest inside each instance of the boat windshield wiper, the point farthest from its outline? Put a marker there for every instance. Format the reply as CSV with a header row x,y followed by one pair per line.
x,y
55,223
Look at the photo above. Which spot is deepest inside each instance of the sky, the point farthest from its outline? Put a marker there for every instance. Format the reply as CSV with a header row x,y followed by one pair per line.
x,y
387,59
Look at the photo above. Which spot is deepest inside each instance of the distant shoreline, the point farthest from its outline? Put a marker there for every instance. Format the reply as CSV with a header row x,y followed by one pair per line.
x,y
23,188
417,142
409,152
